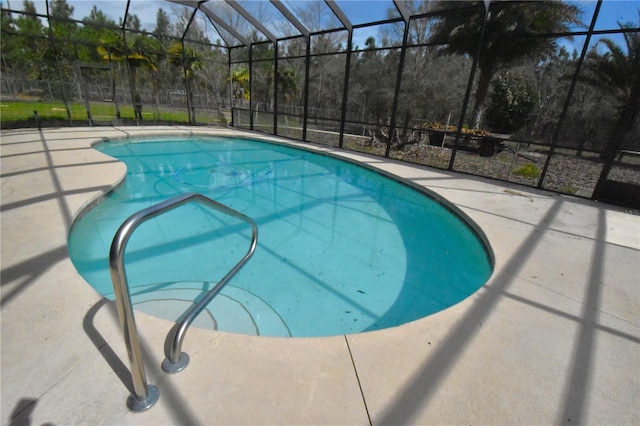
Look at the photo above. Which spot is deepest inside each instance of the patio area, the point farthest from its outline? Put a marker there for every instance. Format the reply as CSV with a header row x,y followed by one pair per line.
x,y
552,337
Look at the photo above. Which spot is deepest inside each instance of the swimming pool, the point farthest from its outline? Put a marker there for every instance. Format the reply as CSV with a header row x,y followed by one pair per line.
x,y
342,248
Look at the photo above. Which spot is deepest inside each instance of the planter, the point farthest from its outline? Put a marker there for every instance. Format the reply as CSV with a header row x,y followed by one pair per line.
x,y
488,147
436,138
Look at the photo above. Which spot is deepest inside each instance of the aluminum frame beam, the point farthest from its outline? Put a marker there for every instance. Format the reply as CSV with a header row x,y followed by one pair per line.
x,y
202,5
249,17
339,14
402,10
291,17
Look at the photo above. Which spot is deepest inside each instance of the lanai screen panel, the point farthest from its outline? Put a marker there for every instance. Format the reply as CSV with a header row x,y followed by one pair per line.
x,y
316,16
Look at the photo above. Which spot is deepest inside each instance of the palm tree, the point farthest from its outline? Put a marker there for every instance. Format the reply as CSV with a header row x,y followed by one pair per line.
x,y
617,73
510,34
240,83
189,62
288,84
140,51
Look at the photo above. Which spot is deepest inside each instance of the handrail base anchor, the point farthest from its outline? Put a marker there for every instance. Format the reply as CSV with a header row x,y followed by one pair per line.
x,y
136,405
171,368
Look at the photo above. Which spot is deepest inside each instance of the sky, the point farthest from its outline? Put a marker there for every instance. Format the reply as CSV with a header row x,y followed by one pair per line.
x,y
358,11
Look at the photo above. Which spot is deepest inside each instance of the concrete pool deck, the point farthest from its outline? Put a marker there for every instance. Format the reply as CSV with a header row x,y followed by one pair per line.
x,y
553,337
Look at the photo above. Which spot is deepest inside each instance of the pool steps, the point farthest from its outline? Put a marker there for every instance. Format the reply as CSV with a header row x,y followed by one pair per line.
x,y
233,310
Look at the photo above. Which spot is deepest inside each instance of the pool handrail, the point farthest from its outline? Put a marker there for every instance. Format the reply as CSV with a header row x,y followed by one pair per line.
x,y
176,360
145,395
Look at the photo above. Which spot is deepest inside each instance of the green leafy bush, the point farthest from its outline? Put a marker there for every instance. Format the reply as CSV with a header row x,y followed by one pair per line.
x,y
568,189
510,102
528,171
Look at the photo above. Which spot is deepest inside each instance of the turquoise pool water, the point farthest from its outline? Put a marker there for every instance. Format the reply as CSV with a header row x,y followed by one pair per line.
x,y
342,249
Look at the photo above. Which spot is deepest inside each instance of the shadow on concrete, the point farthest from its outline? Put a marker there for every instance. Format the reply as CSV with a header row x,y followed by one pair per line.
x,y
23,274
179,412
101,345
578,385
26,272
427,380
21,414
572,409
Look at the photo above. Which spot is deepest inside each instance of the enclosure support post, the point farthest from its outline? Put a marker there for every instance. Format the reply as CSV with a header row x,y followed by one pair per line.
x,y
394,108
567,102
251,124
231,105
467,94
307,67
132,81
64,97
275,89
114,95
345,89
190,111
83,90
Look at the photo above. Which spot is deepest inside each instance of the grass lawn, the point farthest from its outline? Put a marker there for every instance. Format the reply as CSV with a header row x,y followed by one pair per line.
x,y
20,111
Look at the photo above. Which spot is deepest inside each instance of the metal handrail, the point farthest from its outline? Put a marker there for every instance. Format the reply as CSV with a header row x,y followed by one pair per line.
x,y
144,395
176,360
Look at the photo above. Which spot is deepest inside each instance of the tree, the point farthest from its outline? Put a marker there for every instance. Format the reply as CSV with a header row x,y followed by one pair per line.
x,y
99,20
61,22
62,13
186,58
511,33
29,51
376,87
96,26
617,73
163,29
288,85
133,23
549,84
511,101
60,55
189,61
139,51
8,41
262,73
189,28
240,83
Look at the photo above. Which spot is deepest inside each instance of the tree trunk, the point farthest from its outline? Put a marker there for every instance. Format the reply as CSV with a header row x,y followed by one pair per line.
x,y
479,107
623,126
405,128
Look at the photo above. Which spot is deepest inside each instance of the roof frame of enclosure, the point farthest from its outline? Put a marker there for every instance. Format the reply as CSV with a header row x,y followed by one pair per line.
x,y
249,17
216,20
340,14
208,8
287,14
402,10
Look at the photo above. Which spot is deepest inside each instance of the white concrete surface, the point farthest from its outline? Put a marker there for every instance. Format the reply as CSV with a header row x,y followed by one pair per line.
x,y
553,337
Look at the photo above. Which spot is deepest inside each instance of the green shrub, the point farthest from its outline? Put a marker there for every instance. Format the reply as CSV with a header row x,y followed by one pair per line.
x,y
568,189
528,171
510,102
